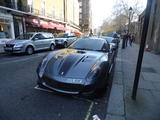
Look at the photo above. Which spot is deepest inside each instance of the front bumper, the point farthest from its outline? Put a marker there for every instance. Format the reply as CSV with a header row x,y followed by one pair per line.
x,y
14,49
67,88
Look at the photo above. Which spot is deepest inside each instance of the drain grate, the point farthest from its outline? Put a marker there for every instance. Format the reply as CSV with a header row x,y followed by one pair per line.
x,y
148,69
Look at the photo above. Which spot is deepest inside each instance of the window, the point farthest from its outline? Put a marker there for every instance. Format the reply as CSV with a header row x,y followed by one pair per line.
x,y
38,37
54,12
48,35
43,7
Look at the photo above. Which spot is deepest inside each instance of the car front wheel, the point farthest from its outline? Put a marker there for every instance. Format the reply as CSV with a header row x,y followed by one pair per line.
x,y
29,50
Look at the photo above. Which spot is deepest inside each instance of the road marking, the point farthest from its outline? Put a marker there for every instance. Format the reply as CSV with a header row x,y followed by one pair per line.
x,y
24,59
89,111
42,89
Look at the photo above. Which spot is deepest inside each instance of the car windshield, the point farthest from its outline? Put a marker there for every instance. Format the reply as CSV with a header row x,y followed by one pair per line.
x,y
88,44
24,36
2,35
109,39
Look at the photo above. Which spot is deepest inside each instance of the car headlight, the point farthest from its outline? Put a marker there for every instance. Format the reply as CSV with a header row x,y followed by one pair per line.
x,y
94,72
42,66
18,45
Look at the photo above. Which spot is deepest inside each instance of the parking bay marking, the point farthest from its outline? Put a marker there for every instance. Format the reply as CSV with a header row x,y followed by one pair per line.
x,y
89,111
23,59
42,89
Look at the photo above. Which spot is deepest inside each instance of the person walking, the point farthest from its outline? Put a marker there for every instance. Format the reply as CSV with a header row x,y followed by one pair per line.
x,y
132,40
127,39
124,38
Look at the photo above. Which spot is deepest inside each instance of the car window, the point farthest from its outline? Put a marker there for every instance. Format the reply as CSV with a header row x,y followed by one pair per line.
x,y
25,36
48,35
88,44
38,37
109,39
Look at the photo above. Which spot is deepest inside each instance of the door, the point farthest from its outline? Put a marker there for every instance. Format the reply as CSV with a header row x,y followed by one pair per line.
x,y
38,41
47,38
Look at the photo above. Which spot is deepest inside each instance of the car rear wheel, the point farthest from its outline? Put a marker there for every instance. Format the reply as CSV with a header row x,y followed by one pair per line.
x,y
29,50
52,47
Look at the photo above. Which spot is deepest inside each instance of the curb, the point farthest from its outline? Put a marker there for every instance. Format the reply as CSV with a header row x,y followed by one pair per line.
x,y
116,108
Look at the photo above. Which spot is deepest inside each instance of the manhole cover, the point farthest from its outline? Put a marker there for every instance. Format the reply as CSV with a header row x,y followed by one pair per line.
x,y
148,69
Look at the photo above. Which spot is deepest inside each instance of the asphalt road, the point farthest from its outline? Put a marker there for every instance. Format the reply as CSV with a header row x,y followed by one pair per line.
x,y
19,100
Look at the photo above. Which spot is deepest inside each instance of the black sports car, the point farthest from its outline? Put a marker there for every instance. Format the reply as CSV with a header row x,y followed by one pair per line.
x,y
82,68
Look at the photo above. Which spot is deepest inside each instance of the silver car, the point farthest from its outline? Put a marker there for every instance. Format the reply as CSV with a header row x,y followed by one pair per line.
x,y
30,42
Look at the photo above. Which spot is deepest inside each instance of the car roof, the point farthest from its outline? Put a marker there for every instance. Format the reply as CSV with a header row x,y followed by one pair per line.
x,y
94,38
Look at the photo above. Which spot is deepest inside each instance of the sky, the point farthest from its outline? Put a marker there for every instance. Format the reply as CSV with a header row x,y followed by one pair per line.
x,y
102,9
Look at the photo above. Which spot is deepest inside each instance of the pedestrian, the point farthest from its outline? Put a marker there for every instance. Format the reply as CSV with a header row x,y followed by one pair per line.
x,y
124,38
132,40
127,39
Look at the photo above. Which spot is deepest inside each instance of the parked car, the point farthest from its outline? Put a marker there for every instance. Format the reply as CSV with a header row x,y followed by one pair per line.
x,y
112,41
82,68
30,42
65,39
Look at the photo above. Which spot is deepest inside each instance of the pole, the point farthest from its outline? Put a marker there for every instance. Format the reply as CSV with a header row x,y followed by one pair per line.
x,y
129,21
141,50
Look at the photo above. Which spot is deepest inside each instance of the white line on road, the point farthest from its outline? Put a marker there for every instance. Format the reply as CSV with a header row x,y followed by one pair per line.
x,y
89,111
25,59
42,89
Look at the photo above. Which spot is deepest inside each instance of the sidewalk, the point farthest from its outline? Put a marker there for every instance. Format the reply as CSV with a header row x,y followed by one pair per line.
x,y
147,105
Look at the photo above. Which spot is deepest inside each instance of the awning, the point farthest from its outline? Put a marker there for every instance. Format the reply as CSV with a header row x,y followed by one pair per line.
x,y
33,22
78,32
60,27
45,24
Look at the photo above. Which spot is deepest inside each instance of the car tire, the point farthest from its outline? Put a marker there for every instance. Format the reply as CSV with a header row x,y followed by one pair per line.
x,y
52,47
65,44
29,50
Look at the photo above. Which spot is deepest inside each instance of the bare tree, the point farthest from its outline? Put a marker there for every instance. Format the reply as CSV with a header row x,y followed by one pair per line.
x,y
123,13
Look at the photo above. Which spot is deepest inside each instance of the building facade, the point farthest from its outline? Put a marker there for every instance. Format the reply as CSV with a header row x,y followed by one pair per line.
x,y
19,16
72,15
153,36
85,16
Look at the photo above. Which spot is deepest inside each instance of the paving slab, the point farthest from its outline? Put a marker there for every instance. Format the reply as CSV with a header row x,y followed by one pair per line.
x,y
144,108
118,78
114,117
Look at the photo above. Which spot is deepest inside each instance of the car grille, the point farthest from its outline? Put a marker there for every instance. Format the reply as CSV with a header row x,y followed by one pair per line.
x,y
9,45
63,86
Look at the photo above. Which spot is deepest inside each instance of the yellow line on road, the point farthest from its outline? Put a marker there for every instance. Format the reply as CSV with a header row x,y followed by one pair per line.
x,y
89,111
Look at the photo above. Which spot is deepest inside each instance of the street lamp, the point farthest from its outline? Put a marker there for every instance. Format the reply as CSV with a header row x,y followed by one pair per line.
x,y
129,19
141,50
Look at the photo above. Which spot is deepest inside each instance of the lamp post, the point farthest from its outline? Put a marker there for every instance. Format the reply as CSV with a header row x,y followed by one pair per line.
x,y
141,50
129,19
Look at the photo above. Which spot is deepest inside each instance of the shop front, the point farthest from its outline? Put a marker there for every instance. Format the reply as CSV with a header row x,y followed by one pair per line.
x,y
6,27
18,25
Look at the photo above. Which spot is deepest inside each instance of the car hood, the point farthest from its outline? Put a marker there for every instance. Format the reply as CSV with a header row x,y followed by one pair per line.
x,y
16,41
71,63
